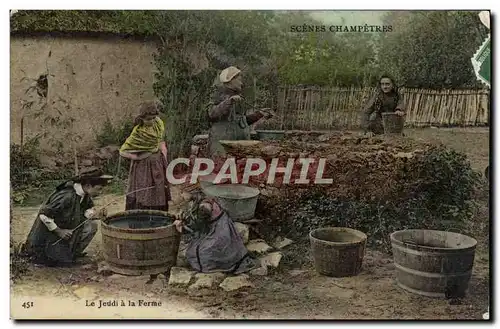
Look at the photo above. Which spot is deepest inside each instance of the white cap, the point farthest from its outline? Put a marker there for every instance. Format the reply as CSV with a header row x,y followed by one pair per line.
x,y
228,74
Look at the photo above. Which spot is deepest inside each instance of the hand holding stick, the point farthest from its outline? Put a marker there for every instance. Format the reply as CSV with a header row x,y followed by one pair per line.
x,y
73,230
103,212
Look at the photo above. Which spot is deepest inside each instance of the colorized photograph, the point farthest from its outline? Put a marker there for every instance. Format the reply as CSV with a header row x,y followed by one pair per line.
x,y
257,165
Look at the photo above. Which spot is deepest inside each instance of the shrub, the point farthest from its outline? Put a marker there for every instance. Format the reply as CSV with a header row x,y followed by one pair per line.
x,y
27,175
436,192
19,265
25,164
114,134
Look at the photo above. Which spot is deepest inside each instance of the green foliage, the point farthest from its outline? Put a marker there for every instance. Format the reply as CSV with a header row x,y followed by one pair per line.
x,y
429,49
432,49
226,38
184,98
342,60
118,167
118,186
29,181
19,265
443,182
321,58
135,22
114,134
425,49
25,164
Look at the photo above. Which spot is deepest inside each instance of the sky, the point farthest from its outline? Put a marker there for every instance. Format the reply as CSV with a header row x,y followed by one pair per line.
x,y
350,17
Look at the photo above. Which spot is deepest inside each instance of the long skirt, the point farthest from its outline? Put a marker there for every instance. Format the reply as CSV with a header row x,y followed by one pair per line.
x,y
147,184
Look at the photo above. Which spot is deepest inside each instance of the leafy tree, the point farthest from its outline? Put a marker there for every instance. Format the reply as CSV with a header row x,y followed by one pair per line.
x,y
432,49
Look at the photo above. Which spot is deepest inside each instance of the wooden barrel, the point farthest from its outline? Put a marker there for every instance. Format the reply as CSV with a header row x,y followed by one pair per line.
x,y
433,263
140,242
337,251
393,123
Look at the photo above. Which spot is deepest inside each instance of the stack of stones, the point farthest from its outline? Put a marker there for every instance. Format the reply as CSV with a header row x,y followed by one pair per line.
x,y
268,257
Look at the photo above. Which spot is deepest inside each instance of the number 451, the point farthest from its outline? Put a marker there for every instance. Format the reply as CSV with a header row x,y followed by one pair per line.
x,y
27,304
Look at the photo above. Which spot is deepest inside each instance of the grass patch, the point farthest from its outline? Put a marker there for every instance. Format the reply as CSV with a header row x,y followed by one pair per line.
x,y
116,187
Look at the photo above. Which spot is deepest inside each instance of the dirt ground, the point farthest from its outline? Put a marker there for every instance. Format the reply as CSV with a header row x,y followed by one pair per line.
x,y
288,293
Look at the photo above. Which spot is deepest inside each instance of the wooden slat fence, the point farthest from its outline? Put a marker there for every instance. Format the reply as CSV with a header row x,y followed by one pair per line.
x,y
341,108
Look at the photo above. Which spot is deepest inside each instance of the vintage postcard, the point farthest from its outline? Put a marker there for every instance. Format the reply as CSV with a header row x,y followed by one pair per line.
x,y
257,164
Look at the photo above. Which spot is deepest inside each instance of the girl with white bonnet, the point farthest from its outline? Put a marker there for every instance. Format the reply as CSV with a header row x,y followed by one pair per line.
x,y
227,112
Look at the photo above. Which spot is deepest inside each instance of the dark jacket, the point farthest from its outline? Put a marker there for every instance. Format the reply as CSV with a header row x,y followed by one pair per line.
x,y
380,103
65,208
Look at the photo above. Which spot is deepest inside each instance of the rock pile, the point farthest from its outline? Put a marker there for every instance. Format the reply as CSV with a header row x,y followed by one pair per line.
x,y
268,257
360,168
95,158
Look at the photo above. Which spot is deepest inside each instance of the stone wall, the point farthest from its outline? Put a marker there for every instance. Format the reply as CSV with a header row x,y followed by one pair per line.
x,y
87,80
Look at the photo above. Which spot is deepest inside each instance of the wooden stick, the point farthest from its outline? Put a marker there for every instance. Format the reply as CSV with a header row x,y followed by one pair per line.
x,y
72,230
142,189
76,159
118,166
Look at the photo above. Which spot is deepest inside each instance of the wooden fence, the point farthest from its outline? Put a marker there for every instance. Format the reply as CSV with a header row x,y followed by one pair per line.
x,y
342,108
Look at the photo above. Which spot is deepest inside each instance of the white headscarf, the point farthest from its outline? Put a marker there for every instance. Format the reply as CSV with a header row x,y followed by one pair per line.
x,y
228,74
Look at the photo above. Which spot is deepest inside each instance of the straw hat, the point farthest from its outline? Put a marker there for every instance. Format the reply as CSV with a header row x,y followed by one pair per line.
x,y
93,174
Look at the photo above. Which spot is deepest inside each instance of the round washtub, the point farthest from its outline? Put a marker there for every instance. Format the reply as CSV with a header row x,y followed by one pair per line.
x,y
140,242
433,263
337,251
393,123
210,180
239,201
270,134
207,180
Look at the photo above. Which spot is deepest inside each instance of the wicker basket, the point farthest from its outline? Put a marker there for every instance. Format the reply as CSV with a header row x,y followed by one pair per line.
x,y
393,123
337,251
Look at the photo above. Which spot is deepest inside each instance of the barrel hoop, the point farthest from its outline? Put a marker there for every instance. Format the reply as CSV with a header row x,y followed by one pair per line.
x,y
347,245
133,262
431,275
139,271
421,292
107,222
433,252
138,212
138,236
